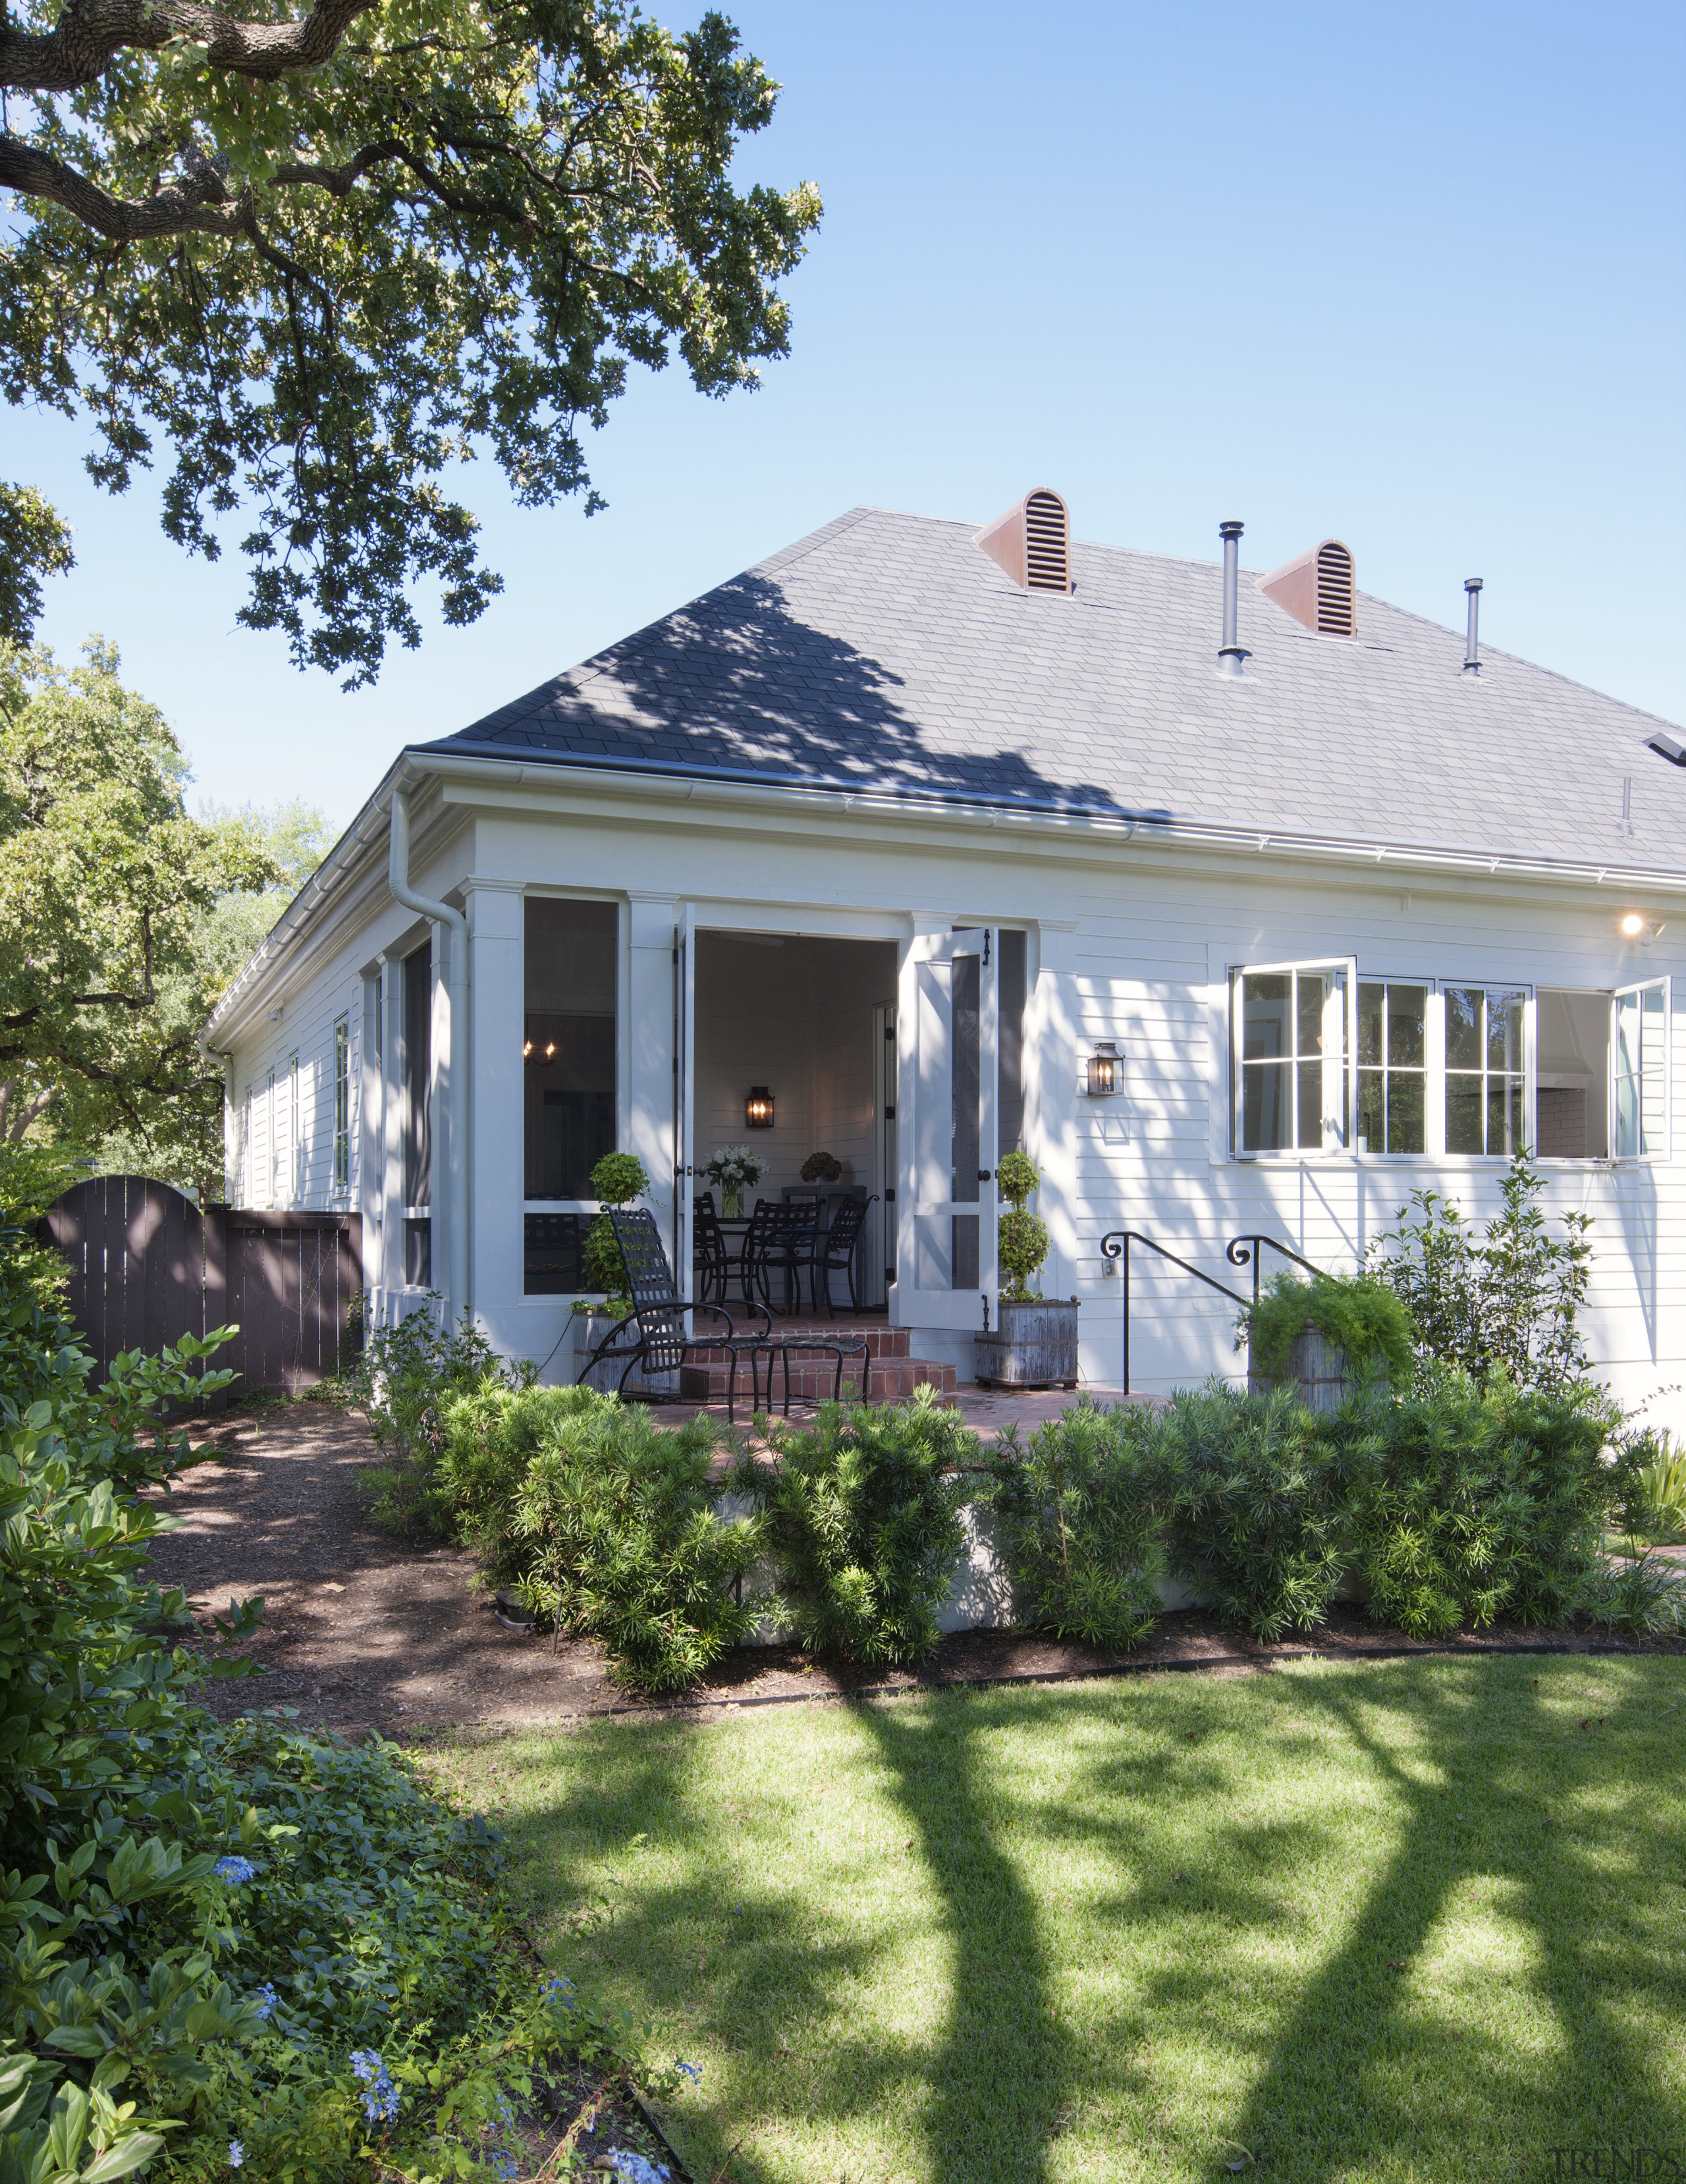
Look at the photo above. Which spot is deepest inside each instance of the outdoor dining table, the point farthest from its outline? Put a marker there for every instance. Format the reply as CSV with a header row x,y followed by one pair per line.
x,y
736,1230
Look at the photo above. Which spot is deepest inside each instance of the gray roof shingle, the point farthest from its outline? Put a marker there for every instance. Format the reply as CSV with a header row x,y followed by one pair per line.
x,y
886,652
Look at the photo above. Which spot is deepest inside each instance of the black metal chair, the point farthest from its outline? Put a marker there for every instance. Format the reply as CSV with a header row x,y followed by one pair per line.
x,y
781,1239
652,1334
836,1249
710,1259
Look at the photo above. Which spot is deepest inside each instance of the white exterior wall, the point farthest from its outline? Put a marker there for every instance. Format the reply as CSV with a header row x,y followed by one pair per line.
x,y
1129,940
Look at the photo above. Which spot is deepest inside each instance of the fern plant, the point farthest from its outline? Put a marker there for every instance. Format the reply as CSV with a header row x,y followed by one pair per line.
x,y
1362,1316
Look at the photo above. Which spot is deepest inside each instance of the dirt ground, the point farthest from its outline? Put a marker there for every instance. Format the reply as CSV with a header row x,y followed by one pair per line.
x,y
364,1631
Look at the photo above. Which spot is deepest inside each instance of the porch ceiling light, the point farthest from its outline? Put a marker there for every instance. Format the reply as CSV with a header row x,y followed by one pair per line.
x,y
757,1109
1105,1071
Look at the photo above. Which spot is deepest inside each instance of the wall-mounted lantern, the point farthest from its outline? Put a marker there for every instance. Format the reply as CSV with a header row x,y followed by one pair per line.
x,y
1105,1070
758,1108
1645,930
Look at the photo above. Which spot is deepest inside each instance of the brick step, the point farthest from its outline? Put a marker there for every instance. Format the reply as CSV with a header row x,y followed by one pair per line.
x,y
813,1378
882,1341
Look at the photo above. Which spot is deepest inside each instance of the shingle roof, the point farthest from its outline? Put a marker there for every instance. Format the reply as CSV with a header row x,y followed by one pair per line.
x,y
886,652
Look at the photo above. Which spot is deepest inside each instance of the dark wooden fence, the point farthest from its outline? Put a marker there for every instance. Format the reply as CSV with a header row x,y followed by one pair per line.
x,y
147,1267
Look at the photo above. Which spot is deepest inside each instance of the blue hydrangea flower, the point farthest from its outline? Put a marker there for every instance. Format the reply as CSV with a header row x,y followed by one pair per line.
x,y
635,2168
691,2069
267,1999
236,2155
560,1990
504,2165
381,2095
235,1869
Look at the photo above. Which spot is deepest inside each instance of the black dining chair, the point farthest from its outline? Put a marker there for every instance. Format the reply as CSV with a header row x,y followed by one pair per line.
x,y
836,1251
780,1240
710,1259
652,1338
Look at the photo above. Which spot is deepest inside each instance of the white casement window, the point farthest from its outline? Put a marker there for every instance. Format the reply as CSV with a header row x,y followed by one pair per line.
x,y
343,1103
1639,1053
1395,1040
295,1142
1487,1070
1293,1034
271,1170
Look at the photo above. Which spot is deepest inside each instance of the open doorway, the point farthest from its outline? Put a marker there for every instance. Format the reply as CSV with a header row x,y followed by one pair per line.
x,y
802,1020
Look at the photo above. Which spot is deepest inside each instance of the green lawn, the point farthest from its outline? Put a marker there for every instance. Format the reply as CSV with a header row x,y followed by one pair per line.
x,y
1416,1920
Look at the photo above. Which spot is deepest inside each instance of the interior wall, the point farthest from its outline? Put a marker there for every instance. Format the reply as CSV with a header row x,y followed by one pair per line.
x,y
1571,1061
794,1013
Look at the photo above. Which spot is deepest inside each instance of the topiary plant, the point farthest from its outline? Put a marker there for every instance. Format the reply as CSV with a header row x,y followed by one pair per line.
x,y
616,1180
1022,1240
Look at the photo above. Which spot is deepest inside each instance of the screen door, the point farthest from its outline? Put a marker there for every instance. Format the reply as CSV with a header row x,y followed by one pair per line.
x,y
947,1027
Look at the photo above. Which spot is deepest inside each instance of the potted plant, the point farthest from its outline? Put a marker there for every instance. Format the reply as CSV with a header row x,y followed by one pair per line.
x,y
732,1170
1034,1341
617,1180
822,1168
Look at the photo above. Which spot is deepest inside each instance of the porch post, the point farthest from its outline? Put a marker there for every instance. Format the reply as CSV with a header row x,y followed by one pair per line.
x,y
651,1076
496,1180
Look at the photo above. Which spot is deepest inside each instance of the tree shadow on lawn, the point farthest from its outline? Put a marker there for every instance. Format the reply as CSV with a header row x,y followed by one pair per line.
x,y
1170,2012
1472,2018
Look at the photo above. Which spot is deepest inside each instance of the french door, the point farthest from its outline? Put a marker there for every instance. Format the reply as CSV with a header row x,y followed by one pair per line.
x,y
947,1028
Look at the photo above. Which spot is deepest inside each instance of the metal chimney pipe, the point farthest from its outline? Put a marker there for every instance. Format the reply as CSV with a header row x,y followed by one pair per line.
x,y
1229,653
1472,642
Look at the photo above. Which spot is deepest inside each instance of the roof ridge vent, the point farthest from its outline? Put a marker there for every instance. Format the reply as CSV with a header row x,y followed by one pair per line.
x,y
1033,542
1319,588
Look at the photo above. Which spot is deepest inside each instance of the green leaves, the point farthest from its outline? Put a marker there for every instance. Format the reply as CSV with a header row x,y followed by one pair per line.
x,y
327,274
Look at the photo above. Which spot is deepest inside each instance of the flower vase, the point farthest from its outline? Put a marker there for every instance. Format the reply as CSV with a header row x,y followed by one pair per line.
x,y
731,1204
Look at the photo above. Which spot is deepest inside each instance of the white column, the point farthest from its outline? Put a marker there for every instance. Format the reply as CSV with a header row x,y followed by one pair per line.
x,y
391,1109
497,1184
650,1052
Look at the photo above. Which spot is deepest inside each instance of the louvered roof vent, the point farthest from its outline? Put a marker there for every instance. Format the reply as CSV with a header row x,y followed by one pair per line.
x,y
1317,588
1033,542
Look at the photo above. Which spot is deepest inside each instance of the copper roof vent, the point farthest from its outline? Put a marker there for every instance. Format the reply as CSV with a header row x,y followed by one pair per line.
x,y
1317,588
1033,542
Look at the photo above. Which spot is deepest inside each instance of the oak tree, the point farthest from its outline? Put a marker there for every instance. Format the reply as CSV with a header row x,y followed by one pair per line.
x,y
323,255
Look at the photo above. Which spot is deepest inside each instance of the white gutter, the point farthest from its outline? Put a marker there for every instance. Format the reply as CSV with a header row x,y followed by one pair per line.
x,y
456,1164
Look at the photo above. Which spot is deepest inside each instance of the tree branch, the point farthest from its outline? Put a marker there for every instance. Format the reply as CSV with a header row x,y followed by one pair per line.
x,y
90,33
200,206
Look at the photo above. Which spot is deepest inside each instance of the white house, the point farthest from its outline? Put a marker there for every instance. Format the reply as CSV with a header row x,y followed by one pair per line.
x,y
910,822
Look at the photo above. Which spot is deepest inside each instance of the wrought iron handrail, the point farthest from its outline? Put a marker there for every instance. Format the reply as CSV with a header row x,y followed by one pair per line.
x,y
1116,1245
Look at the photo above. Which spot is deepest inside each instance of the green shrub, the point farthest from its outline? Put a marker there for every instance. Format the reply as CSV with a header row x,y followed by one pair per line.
x,y
199,1925
624,1543
1468,1503
862,1524
1659,1508
1363,1317
405,1378
1256,1506
1080,1518
1508,1302
490,1437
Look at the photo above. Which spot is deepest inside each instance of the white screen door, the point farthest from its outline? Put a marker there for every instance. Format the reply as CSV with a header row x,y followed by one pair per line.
x,y
947,1027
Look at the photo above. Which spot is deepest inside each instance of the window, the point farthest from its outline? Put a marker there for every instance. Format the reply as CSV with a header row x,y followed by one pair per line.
x,y
1393,1066
272,1121
1640,1044
295,1143
415,1073
1486,1069
1571,1073
1292,1033
571,978
342,1104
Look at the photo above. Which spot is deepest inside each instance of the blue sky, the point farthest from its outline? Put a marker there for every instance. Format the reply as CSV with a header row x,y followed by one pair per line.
x,y
1413,277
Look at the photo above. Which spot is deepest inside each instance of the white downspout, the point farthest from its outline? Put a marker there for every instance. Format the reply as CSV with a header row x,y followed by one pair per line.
x,y
398,879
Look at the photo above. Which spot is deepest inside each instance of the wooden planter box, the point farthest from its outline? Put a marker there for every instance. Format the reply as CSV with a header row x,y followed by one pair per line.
x,y
1033,1345
1319,1368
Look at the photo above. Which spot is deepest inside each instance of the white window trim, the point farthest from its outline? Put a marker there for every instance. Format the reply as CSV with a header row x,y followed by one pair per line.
x,y
1641,986
1292,1153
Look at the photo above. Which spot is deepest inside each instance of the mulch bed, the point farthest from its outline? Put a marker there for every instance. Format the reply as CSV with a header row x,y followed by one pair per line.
x,y
364,1631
